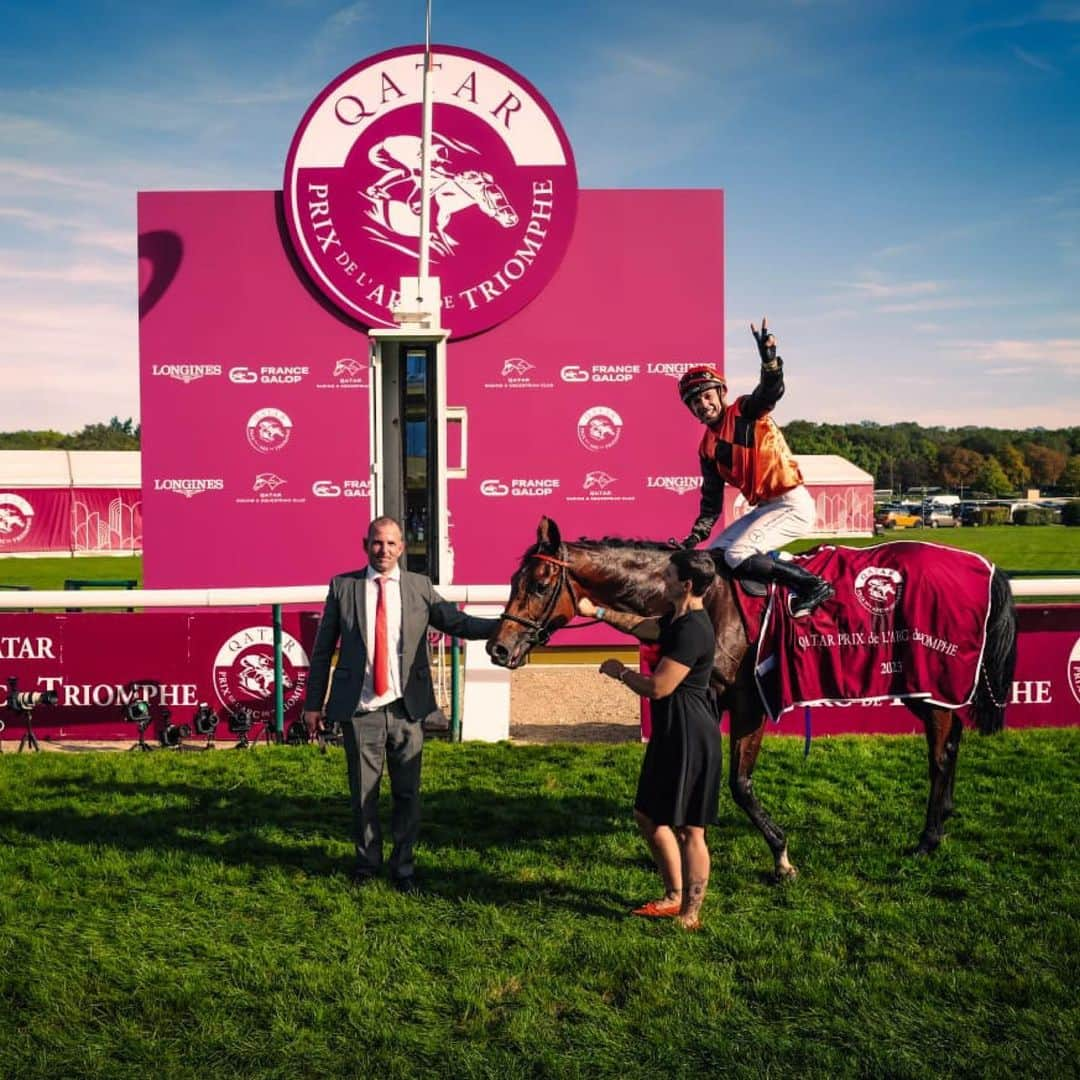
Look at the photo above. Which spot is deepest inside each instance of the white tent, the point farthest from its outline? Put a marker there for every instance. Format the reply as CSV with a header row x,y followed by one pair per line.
x,y
70,468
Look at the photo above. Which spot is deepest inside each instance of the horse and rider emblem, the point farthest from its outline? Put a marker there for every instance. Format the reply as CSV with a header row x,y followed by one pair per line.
x,y
879,588
501,195
599,428
395,198
16,517
268,430
244,671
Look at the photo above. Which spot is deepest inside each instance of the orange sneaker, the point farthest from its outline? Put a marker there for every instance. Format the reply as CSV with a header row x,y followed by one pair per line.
x,y
659,909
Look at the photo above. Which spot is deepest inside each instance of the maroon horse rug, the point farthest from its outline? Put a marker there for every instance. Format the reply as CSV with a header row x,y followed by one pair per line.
x,y
908,620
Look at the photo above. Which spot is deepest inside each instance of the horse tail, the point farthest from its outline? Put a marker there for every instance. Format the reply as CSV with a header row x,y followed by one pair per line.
x,y
995,677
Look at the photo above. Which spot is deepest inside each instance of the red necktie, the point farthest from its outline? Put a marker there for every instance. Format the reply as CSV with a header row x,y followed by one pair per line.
x,y
381,659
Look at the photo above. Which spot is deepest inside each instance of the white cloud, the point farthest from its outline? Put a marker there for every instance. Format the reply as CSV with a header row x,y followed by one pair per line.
x,y
1034,61
66,364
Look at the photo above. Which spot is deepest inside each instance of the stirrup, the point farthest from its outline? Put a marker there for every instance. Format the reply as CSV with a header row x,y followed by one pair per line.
x,y
803,604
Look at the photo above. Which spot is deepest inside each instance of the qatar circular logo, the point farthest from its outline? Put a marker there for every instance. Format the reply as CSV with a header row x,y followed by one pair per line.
x,y
16,517
879,588
599,428
1074,670
268,430
501,199
244,671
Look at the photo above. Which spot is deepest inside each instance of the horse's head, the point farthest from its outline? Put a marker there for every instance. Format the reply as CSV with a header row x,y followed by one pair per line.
x,y
541,599
487,194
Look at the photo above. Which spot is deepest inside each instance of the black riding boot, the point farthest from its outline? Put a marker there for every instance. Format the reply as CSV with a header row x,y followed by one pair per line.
x,y
808,590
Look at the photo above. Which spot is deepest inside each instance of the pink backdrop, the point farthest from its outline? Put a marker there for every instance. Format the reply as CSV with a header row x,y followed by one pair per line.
x,y
623,315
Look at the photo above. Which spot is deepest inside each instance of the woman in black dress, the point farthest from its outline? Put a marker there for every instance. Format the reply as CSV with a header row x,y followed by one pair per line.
x,y
679,788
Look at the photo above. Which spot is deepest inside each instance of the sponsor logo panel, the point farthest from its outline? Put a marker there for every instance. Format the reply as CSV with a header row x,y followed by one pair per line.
x,y
678,485
269,430
599,486
599,428
269,489
269,374
16,518
524,487
516,373
344,373
243,671
1073,670
185,373
341,489
189,486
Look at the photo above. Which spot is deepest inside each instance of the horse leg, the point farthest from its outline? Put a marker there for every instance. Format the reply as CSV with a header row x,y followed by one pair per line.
x,y
747,731
943,731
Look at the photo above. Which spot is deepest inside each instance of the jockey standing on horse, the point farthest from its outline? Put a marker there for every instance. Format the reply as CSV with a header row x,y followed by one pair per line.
x,y
743,446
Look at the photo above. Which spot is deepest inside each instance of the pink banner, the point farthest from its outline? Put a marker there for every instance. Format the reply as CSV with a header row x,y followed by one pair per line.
x,y
97,662
64,520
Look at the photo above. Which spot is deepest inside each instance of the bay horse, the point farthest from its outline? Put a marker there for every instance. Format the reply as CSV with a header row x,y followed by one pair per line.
x,y
625,575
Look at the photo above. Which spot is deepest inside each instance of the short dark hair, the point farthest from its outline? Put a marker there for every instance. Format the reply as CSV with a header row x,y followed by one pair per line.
x,y
697,567
385,519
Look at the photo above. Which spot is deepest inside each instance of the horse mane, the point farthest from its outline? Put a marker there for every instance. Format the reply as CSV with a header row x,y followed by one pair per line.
x,y
623,543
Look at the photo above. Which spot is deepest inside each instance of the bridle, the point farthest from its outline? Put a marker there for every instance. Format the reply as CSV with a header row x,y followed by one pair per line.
x,y
538,632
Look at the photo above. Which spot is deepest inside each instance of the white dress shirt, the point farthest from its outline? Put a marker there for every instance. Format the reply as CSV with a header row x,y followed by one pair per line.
x,y
392,585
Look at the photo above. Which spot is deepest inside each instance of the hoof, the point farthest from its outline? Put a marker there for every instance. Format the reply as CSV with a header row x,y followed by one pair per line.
x,y
783,874
926,848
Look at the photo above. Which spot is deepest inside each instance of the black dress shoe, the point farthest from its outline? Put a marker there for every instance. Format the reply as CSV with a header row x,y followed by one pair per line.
x,y
406,885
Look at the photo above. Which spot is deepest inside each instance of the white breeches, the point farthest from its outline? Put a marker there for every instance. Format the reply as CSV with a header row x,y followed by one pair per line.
x,y
768,525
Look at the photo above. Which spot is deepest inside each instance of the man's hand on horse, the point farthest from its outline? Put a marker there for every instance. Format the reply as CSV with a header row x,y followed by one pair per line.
x,y
313,721
586,607
766,343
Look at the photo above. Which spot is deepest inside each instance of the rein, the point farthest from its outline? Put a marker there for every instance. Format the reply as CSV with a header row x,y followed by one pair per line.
x,y
539,634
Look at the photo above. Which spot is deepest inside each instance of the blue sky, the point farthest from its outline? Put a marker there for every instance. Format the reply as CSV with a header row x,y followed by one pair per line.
x,y
902,180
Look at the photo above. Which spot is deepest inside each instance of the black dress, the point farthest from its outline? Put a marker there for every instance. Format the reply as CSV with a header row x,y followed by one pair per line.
x,y
680,776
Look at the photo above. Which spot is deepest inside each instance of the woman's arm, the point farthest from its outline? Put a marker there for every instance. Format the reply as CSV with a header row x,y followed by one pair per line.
x,y
643,627
662,682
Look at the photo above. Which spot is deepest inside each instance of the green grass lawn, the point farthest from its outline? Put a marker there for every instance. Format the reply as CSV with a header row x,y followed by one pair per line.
x,y
1049,548
51,573
188,915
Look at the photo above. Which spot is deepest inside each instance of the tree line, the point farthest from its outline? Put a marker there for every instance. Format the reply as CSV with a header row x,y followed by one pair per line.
x,y
117,434
982,461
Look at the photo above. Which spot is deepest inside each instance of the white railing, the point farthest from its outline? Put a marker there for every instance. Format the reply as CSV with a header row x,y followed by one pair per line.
x,y
316,594
190,598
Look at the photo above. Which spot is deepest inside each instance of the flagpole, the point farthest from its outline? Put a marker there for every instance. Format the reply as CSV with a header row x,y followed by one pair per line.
x,y
425,153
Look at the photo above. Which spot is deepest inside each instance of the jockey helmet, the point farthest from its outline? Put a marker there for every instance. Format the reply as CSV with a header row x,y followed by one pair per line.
x,y
698,379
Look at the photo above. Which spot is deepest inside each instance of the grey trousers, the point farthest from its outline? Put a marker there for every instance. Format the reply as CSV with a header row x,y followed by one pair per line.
x,y
384,736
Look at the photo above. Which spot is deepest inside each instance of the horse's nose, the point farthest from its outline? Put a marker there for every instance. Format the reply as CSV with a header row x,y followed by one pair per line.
x,y
500,654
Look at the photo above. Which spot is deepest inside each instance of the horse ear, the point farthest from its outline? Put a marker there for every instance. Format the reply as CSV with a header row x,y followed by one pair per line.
x,y
547,535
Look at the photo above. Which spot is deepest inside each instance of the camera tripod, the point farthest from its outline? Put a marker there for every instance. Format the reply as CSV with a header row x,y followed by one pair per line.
x,y
142,744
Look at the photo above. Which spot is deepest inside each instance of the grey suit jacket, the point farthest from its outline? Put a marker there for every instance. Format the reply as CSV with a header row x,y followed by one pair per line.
x,y
345,618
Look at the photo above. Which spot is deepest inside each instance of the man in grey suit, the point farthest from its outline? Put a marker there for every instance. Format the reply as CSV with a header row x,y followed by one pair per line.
x,y
381,690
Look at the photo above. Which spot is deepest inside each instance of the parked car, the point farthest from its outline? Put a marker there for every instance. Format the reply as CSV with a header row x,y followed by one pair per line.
x,y
968,514
895,516
940,517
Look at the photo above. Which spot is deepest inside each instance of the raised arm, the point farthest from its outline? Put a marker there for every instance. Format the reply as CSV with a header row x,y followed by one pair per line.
x,y
770,387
